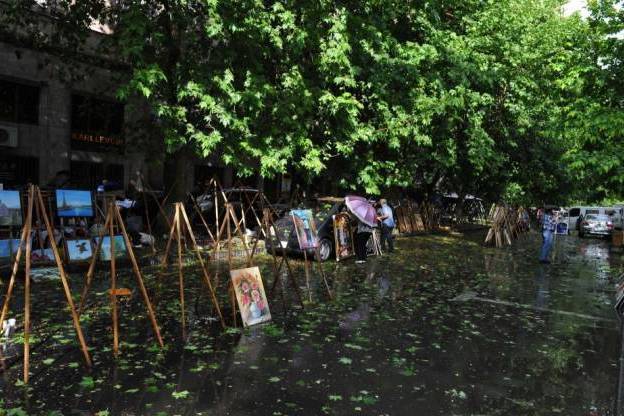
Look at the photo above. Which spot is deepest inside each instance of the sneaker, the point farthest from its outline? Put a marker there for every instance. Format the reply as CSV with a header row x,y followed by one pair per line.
x,y
360,261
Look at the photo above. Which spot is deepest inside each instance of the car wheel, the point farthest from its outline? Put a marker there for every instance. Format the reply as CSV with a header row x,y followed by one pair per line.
x,y
325,249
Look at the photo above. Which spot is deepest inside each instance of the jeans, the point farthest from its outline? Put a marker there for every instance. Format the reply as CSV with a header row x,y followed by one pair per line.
x,y
548,237
386,235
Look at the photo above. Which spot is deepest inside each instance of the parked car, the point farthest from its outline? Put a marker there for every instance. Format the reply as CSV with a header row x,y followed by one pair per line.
x,y
576,215
323,210
596,224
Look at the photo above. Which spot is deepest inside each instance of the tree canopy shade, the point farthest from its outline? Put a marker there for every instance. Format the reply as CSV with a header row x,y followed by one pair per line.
x,y
506,99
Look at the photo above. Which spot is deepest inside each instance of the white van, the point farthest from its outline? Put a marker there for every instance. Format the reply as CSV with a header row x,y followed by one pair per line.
x,y
575,212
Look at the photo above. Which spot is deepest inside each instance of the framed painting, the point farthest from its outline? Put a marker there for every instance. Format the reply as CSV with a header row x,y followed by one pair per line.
x,y
74,203
343,236
10,208
79,250
42,255
305,227
250,296
120,247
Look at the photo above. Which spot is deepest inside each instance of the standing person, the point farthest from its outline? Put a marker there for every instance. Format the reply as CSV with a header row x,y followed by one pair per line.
x,y
362,235
386,218
549,224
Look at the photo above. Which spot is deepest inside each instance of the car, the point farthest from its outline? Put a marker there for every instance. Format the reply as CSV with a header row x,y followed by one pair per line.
x,y
323,210
596,224
576,215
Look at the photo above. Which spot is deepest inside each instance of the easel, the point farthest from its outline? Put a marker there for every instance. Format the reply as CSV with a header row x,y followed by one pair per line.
x,y
277,267
113,220
306,265
36,201
176,232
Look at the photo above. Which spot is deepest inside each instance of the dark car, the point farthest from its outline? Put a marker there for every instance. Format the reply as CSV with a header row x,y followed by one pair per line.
x,y
323,210
596,224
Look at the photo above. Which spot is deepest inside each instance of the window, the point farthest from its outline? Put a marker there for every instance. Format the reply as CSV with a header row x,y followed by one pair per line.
x,y
97,125
19,103
575,212
592,211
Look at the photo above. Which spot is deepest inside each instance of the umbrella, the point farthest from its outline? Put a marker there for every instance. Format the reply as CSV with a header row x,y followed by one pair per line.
x,y
362,209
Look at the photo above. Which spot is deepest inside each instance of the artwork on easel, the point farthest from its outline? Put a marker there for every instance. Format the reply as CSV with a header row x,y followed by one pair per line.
x,y
42,255
73,203
79,250
105,251
14,243
250,296
343,236
5,250
305,227
10,208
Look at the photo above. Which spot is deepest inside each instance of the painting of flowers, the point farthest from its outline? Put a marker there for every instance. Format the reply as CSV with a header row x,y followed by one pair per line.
x,y
250,296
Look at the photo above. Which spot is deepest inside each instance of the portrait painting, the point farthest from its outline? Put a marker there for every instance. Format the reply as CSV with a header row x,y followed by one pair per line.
x,y
343,236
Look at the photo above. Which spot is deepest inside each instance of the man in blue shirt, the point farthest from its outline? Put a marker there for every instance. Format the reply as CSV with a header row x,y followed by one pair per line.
x,y
549,225
387,225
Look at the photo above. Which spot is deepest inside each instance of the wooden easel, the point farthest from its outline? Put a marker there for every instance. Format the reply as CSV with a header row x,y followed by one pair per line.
x,y
114,220
177,232
277,266
306,265
36,201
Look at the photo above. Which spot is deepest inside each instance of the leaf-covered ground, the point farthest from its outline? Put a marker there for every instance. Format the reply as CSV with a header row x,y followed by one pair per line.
x,y
443,326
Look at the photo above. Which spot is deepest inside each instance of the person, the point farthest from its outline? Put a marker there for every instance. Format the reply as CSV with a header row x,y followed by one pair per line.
x,y
364,231
549,224
386,218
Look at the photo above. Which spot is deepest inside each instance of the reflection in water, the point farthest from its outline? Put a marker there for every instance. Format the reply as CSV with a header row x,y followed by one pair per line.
x,y
389,343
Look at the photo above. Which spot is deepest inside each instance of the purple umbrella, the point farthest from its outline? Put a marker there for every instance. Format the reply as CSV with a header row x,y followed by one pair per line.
x,y
362,209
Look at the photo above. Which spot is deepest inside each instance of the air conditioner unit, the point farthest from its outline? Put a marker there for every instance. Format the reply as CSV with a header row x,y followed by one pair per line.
x,y
8,136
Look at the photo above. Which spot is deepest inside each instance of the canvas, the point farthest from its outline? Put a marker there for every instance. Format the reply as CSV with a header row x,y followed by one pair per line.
x,y
14,246
5,250
71,203
79,250
250,296
42,255
305,227
343,236
10,208
120,247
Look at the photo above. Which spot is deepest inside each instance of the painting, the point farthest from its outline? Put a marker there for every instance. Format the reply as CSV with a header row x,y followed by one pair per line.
x,y
15,246
343,236
120,247
305,228
250,296
79,250
42,255
5,250
72,203
10,208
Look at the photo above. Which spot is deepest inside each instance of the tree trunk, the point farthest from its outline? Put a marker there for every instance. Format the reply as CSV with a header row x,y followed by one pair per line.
x,y
183,180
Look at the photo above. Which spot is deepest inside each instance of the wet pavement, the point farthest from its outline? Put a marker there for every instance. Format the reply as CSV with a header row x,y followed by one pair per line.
x,y
444,326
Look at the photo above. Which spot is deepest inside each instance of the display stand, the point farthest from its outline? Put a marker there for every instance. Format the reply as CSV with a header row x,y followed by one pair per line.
x,y
36,201
277,266
307,265
114,220
176,233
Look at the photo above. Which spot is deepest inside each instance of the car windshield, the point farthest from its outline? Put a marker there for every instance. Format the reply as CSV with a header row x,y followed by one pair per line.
x,y
597,217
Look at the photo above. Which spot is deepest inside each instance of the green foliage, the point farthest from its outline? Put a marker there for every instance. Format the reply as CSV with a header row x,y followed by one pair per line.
x,y
504,99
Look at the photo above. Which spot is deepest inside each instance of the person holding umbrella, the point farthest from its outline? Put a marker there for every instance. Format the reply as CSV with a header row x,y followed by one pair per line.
x,y
366,216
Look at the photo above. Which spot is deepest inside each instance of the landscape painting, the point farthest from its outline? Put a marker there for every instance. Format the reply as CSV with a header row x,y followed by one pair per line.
x,y
72,203
10,208
250,296
305,228
42,255
79,250
343,236
120,247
